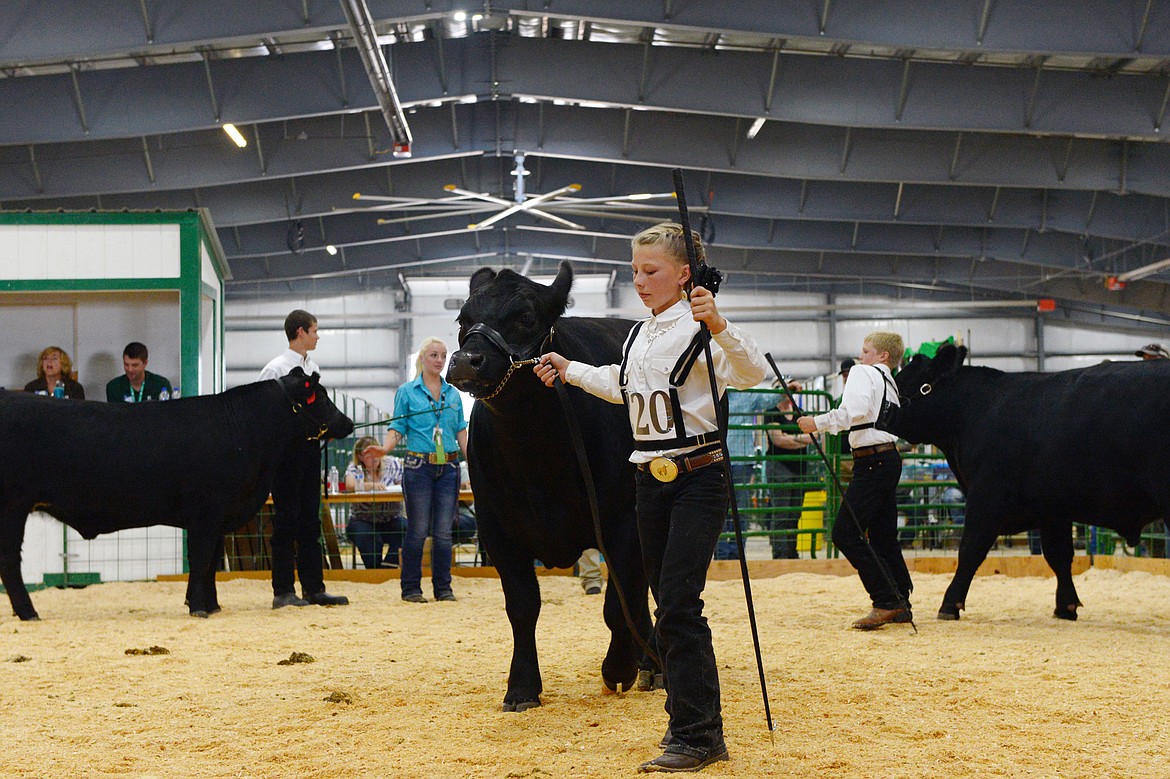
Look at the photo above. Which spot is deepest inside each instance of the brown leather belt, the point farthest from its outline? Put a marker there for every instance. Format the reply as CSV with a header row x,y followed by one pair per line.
x,y
429,457
681,463
866,451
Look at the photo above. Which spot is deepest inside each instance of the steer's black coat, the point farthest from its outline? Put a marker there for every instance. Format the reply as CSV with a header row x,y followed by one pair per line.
x,y
204,464
1043,450
530,496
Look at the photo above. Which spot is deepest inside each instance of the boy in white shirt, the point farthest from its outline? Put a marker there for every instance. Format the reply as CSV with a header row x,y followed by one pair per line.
x,y
877,468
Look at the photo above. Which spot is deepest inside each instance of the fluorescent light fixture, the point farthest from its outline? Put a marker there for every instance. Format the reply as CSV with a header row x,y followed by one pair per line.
x,y
754,130
331,248
235,135
460,16
1145,270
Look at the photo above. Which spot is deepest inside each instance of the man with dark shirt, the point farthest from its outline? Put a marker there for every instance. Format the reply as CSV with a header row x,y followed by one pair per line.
x,y
137,384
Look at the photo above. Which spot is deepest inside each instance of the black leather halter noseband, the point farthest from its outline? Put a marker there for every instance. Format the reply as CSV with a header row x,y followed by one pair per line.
x,y
515,360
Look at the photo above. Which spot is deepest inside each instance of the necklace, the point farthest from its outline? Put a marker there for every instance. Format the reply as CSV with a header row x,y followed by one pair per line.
x,y
654,335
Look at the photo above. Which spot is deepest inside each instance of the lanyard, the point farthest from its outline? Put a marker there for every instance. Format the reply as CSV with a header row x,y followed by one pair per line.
x,y
437,434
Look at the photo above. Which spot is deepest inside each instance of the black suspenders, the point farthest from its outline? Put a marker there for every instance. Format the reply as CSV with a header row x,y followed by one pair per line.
x,y
678,376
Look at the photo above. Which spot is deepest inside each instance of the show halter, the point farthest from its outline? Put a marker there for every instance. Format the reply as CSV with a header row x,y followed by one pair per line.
x,y
298,406
498,341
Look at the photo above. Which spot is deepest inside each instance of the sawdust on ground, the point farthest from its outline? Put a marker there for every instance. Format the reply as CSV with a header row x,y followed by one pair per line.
x,y
405,690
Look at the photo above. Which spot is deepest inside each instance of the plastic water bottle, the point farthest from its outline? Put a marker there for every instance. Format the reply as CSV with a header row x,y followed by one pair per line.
x,y
359,480
164,395
175,394
59,390
333,478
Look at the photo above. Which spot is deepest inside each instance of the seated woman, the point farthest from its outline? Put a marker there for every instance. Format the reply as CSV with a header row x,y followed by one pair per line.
x,y
373,526
53,371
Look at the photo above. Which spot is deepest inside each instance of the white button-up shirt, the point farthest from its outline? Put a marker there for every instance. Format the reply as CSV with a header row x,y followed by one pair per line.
x,y
653,353
861,401
283,364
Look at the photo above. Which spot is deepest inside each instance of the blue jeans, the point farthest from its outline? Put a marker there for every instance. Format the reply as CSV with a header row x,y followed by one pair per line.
x,y
431,493
678,524
369,537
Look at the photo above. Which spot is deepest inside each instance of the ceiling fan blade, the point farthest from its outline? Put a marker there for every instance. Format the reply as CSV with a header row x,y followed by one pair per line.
x,y
616,199
564,206
443,215
407,202
477,195
554,218
631,216
526,205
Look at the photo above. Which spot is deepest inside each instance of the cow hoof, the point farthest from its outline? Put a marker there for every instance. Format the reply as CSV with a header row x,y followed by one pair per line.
x,y
610,686
34,617
950,614
1068,612
521,705
200,614
648,680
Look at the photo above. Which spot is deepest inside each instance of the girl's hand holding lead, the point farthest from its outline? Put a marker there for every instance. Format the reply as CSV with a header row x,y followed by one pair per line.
x,y
549,367
703,310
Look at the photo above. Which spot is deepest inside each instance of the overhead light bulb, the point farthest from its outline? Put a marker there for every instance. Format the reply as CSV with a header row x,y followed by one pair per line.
x,y
331,248
754,130
235,135
460,16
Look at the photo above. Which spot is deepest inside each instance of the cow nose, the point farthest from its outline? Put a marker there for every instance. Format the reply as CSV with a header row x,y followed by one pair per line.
x,y
465,360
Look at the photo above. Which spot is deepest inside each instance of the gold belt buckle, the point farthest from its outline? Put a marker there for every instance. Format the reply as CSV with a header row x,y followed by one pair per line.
x,y
663,469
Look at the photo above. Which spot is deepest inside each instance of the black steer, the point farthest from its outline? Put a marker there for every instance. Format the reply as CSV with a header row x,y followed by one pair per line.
x,y
530,496
204,464
1043,450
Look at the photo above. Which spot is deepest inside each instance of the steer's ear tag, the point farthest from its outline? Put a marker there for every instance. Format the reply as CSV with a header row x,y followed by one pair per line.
x,y
311,399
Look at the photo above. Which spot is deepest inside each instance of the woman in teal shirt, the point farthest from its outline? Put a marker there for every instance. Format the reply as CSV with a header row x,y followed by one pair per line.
x,y
429,416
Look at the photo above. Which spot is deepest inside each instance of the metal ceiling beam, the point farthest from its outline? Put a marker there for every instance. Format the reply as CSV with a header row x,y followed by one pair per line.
x,y
847,92
1060,27
791,151
460,254
330,170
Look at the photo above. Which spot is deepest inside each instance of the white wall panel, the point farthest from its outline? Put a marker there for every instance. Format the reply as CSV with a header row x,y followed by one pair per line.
x,y
1009,364
207,271
1064,339
31,252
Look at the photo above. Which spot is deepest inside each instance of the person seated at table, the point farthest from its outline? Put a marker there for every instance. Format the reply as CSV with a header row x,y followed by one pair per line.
x,y
136,384
374,525
464,529
54,369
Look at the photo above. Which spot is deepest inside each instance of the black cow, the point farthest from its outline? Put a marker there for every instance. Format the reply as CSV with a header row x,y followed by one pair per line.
x,y
1043,450
204,464
530,495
